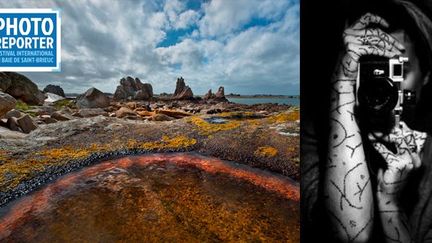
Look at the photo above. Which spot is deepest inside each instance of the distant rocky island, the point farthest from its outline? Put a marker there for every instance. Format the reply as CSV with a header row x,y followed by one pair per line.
x,y
47,133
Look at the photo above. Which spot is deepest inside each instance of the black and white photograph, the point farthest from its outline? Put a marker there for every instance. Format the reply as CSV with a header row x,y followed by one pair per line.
x,y
366,150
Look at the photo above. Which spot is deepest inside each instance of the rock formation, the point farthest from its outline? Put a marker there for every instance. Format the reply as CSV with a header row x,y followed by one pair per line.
x,y
92,98
20,87
54,89
130,88
182,91
7,103
219,96
209,95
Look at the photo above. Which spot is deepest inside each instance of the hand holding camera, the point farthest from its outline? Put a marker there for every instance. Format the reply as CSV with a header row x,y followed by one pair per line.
x,y
365,37
408,146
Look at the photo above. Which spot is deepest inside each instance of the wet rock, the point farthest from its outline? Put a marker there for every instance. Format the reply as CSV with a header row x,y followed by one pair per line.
x,y
182,91
26,124
90,112
92,98
124,111
20,87
7,103
54,89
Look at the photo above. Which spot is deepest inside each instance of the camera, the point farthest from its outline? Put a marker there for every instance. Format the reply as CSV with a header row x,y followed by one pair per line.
x,y
379,97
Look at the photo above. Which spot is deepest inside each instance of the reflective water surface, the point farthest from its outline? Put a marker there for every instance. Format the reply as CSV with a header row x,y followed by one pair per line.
x,y
179,197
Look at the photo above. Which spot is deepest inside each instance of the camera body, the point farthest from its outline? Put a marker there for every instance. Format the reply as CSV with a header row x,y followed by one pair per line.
x,y
379,95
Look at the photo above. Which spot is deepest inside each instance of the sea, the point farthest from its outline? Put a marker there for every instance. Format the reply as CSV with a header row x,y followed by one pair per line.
x,y
278,100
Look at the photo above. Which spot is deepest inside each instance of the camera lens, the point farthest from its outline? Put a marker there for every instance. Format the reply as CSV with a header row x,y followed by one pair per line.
x,y
378,95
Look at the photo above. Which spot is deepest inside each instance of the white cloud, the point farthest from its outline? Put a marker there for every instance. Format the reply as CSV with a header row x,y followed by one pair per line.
x,y
225,16
186,19
105,40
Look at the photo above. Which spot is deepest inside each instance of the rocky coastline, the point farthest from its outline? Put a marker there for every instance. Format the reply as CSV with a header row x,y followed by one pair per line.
x,y
44,135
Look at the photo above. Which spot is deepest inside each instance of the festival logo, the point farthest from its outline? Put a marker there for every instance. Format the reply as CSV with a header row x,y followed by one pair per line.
x,y
30,40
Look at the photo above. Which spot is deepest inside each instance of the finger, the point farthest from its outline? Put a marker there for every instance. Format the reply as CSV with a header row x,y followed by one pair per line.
x,y
368,19
382,149
356,51
420,139
409,138
416,160
379,34
384,42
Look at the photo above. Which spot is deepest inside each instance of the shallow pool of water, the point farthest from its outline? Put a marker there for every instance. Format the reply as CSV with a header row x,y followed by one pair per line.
x,y
160,197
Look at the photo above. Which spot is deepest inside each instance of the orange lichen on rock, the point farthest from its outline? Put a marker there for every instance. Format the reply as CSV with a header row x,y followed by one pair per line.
x,y
266,151
65,153
209,128
289,116
169,143
237,114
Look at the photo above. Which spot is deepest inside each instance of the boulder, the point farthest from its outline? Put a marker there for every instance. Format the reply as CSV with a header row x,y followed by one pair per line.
x,y
124,111
50,97
26,124
47,119
13,113
120,93
20,87
141,95
54,89
7,103
173,113
5,81
12,124
134,89
182,91
92,98
145,92
131,105
61,116
161,117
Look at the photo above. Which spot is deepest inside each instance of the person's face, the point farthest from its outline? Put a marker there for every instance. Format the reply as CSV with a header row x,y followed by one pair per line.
x,y
414,79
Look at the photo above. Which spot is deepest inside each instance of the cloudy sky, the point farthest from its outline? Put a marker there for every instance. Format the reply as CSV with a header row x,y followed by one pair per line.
x,y
247,46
